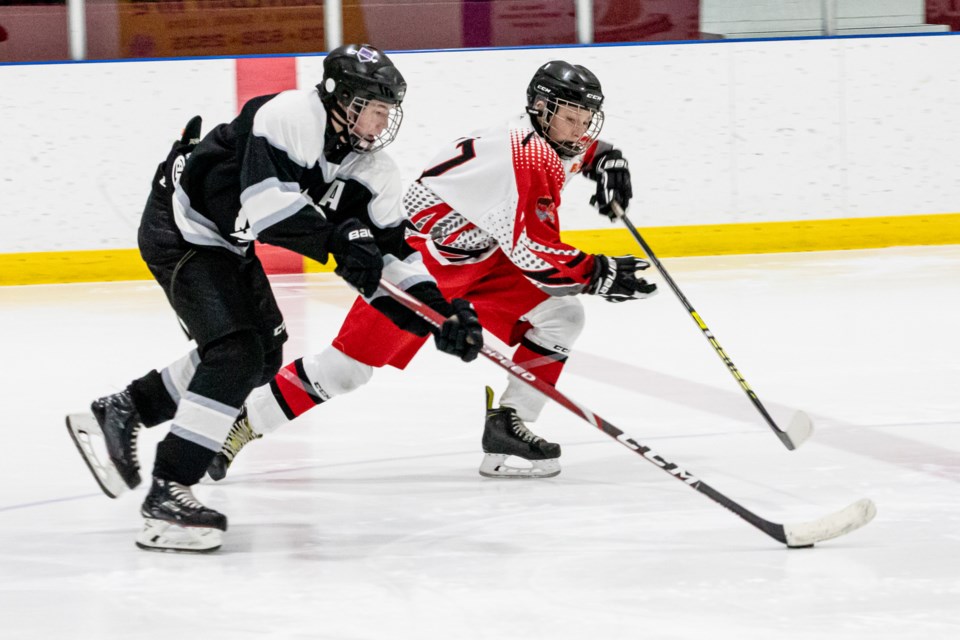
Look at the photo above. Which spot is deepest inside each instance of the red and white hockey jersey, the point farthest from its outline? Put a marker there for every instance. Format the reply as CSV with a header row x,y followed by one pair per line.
x,y
499,189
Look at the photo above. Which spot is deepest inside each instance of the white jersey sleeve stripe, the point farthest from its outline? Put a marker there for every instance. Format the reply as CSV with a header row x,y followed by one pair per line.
x,y
285,124
405,273
270,206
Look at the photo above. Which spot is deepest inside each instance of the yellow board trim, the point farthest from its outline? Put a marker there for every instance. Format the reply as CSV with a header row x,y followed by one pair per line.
x,y
312,266
775,237
695,240
49,267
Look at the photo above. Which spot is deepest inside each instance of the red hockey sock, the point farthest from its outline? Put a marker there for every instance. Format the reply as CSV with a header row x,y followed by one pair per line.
x,y
292,390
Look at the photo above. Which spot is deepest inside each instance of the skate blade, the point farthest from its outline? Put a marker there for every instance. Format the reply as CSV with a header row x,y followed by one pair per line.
x,y
495,465
159,535
86,434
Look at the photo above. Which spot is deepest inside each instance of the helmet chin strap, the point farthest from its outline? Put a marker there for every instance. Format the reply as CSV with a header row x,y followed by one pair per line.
x,y
535,117
338,143
338,122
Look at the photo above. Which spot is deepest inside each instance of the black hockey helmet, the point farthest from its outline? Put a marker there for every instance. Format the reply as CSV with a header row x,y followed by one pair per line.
x,y
361,70
355,74
561,84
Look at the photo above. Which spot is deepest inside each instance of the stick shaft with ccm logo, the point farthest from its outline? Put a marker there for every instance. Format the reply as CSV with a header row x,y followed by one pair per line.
x,y
795,536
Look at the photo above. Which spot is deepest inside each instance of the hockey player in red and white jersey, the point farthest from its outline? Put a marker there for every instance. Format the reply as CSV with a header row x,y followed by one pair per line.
x,y
486,212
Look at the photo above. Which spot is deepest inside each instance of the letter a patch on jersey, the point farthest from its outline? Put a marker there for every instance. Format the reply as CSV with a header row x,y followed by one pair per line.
x,y
331,199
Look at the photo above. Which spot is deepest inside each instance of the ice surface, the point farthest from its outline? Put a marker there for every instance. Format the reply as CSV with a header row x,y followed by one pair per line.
x,y
366,518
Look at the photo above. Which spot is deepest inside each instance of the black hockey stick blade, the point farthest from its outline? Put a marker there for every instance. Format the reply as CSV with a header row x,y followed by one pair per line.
x,y
797,535
801,427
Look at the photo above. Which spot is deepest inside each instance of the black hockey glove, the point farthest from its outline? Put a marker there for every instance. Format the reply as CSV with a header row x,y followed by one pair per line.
x,y
190,136
461,334
168,173
612,173
615,279
359,261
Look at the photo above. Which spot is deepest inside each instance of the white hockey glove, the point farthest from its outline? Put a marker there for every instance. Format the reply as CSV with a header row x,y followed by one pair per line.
x,y
615,279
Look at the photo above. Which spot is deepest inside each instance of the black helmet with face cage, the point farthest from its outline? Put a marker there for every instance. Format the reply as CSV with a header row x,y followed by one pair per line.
x,y
560,83
361,70
355,74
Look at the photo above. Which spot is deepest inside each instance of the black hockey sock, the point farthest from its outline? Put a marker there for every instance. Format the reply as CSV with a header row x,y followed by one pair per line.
x,y
152,400
180,460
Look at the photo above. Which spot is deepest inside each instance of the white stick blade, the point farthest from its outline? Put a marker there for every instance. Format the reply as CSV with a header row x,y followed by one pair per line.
x,y
799,429
836,524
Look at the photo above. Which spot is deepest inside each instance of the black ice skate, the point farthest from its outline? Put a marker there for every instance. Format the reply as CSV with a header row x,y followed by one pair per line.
x,y
176,521
240,434
115,420
505,435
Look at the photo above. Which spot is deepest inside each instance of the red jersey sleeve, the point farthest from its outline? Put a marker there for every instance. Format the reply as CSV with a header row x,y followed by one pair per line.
x,y
556,267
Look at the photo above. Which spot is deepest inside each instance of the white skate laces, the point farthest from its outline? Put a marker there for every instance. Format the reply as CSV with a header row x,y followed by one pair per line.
x,y
241,433
134,455
184,495
174,520
521,430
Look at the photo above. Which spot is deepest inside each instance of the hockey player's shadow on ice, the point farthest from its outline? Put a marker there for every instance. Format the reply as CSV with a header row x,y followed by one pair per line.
x,y
303,475
308,481
455,481
299,541
310,541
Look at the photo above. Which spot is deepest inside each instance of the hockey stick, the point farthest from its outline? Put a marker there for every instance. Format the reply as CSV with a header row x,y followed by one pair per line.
x,y
804,534
800,427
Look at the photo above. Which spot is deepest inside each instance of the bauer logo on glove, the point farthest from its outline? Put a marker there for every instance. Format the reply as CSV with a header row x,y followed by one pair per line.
x,y
611,171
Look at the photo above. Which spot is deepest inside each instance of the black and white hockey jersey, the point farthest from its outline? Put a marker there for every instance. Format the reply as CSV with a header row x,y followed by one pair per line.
x,y
265,176
275,174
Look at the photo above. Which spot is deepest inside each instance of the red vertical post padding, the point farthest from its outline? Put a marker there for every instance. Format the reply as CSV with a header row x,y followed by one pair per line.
x,y
257,77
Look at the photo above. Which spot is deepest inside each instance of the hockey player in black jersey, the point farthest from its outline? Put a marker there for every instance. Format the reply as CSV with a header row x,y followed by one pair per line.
x,y
300,170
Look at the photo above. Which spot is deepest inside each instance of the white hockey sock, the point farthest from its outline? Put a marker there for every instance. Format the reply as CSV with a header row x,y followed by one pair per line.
x,y
557,323
334,373
329,373
177,376
263,411
203,421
